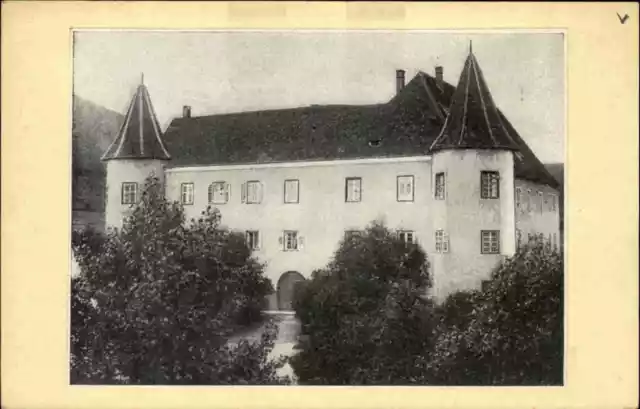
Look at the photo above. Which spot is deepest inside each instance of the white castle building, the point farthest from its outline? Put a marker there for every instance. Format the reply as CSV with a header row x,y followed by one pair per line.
x,y
439,163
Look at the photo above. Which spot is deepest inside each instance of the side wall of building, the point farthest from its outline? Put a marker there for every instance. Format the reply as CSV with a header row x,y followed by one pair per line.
x,y
537,212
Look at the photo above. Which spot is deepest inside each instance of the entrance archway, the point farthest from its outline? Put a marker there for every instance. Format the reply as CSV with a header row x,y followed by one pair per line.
x,y
286,289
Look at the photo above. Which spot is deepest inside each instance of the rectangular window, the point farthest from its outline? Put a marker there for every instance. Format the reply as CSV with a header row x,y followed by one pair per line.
x,y
186,193
439,191
518,238
555,241
252,192
518,197
404,192
554,203
490,184
540,201
406,235
219,193
484,286
253,239
490,241
291,191
352,234
442,241
353,189
529,200
290,240
129,192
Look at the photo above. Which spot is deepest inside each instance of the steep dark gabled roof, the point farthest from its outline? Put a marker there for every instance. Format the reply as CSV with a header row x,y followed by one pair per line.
x,y
140,135
406,125
474,121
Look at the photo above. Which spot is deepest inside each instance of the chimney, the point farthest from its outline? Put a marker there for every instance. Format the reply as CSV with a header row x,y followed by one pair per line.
x,y
186,111
399,80
439,74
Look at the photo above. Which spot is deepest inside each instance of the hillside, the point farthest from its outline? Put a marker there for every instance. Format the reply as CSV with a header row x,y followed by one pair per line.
x,y
94,128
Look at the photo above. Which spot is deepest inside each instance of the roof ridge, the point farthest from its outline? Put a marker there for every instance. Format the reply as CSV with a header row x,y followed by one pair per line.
x,y
277,110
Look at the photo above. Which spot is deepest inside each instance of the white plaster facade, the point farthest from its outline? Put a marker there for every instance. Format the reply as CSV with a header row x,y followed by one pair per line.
x,y
322,215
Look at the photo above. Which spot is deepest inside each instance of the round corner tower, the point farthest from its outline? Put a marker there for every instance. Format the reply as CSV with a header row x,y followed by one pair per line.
x,y
473,178
137,153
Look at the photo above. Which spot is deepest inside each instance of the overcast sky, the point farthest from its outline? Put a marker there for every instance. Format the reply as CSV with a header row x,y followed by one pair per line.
x,y
217,72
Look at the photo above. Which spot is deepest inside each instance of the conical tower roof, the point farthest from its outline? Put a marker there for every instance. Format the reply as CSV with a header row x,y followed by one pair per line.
x,y
473,121
140,136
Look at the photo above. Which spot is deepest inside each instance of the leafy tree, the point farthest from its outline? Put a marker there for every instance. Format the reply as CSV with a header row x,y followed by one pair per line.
x,y
158,299
364,317
513,332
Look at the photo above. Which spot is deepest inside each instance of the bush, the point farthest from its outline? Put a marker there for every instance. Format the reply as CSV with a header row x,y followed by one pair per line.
x,y
364,317
157,300
365,320
513,334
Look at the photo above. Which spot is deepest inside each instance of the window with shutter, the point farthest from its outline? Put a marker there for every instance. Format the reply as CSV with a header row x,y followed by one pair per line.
x,y
290,239
404,189
407,236
352,234
219,193
186,193
253,192
253,239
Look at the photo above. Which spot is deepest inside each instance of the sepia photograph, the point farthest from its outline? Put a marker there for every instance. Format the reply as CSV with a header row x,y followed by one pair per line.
x,y
327,207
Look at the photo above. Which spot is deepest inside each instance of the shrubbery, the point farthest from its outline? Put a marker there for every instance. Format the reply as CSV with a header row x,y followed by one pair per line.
x,y
157,300
366,320
363,318
513,334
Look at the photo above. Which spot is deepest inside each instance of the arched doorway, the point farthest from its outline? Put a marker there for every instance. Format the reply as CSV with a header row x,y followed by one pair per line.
x,y
286,289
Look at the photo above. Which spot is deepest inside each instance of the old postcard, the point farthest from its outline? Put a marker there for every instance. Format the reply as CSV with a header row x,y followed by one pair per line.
x,y
388,207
